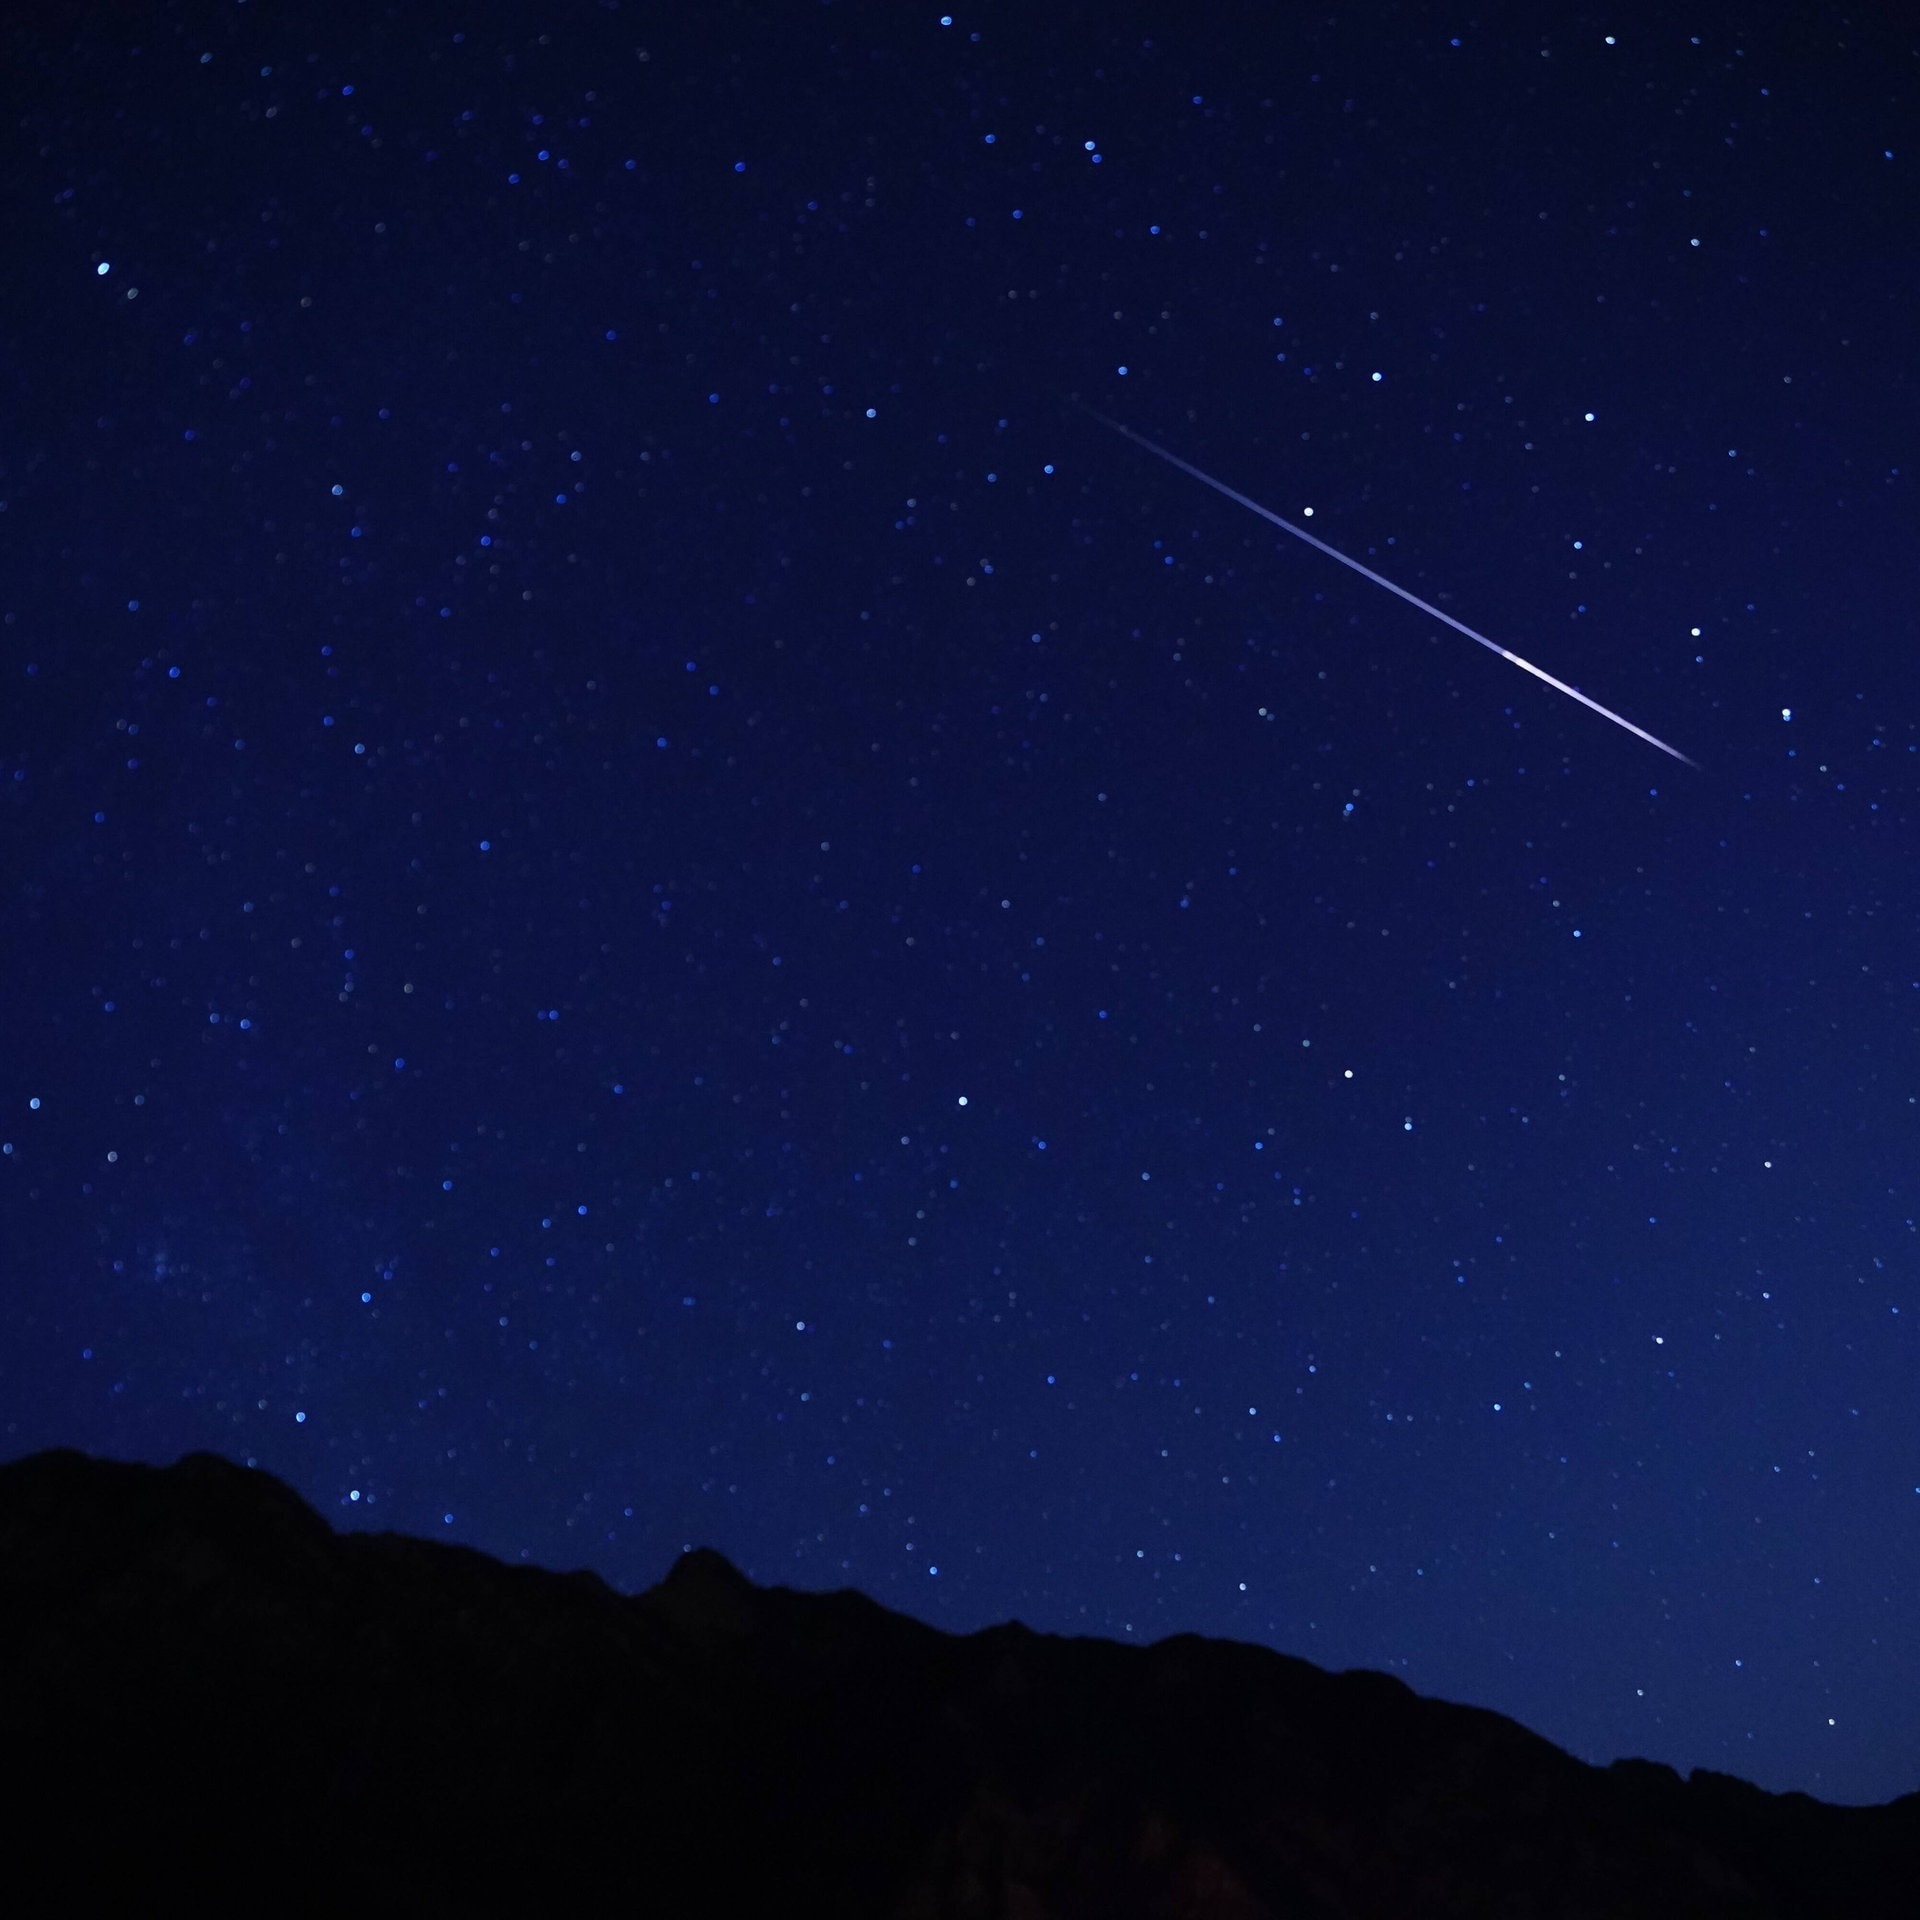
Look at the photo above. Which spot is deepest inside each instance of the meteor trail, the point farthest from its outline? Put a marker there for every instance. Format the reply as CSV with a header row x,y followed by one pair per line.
x,y
1380,580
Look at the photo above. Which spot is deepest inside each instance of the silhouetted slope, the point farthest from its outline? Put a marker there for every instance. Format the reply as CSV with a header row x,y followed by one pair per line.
x,y
215,1695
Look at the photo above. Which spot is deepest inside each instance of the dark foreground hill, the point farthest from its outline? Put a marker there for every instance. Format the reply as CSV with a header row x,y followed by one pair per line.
x,y
206,1692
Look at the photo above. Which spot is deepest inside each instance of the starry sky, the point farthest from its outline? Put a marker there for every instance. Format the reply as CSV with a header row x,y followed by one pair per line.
x,y
656,895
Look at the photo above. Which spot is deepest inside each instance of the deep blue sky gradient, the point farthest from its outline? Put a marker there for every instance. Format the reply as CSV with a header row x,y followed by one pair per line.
x,y
652,897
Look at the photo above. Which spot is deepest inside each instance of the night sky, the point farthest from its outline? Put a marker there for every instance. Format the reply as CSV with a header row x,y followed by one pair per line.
x,y
653,895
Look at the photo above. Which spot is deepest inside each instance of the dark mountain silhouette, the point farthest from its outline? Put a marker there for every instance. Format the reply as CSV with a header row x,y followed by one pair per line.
x,y
207,1693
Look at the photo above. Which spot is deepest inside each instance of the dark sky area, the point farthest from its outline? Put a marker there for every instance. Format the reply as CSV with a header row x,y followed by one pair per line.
x,y
653,896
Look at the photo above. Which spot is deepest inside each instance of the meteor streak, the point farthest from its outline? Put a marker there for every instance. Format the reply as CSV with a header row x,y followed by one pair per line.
x,y
1380,580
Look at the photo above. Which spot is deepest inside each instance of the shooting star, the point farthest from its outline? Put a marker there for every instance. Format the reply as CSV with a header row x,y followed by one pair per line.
x,y
1380,580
